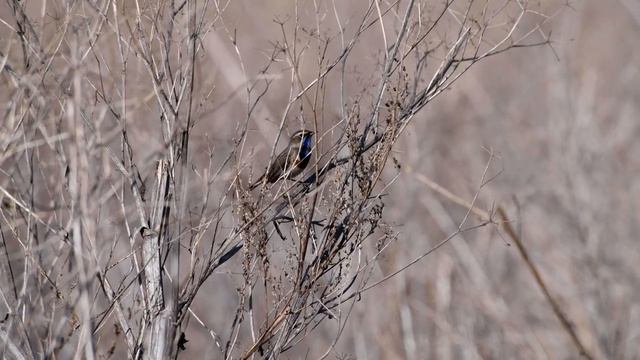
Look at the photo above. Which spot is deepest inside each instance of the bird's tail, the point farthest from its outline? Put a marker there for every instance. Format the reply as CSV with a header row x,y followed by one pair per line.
x,y
256,183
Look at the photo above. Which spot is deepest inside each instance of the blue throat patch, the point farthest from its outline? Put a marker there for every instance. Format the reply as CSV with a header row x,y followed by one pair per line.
x,y
306,147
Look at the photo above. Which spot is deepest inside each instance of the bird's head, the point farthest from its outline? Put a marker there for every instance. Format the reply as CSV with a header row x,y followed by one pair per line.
x,y
302,137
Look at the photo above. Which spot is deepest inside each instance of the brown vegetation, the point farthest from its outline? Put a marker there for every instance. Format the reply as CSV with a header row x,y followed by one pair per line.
x,y
471,193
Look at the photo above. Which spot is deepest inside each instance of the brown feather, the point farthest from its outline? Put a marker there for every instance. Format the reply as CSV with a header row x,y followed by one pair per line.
x,y
288,164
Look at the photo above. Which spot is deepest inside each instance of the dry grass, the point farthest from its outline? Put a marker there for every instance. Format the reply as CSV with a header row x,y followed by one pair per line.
x,y
472,193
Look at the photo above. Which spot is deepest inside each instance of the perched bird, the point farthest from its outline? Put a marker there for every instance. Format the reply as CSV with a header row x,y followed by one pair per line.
x,y
291,161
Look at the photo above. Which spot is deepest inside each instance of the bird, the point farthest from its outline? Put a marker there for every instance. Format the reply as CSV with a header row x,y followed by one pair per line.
x,y
291,161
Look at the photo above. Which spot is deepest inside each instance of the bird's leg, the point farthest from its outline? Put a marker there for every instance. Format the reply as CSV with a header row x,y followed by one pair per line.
x,y
275,225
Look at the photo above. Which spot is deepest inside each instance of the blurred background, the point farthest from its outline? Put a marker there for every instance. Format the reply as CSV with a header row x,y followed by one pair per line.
x,y
562,122
565,130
